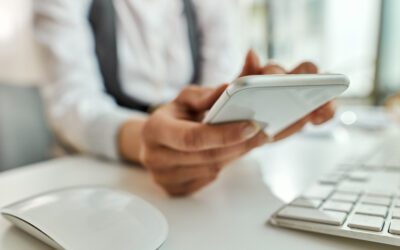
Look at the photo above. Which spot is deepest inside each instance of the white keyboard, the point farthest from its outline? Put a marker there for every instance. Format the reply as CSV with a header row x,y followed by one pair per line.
x,y
358,200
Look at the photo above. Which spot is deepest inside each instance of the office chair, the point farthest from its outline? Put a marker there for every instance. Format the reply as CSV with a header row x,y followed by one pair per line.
x,y
24,134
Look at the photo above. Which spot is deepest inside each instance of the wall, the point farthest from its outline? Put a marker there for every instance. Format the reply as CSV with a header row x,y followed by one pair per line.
x,y
19,61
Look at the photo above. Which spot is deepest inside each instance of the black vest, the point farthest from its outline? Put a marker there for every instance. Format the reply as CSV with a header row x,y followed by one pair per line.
x,y
103,22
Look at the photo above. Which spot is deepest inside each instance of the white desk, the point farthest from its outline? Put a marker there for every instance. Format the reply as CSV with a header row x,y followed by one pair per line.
x,y
230,214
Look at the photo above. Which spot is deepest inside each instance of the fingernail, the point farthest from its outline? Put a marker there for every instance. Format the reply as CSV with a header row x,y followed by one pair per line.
x,y
250,130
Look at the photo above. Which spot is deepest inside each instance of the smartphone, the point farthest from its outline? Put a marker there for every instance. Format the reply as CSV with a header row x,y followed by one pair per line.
x,y
275,101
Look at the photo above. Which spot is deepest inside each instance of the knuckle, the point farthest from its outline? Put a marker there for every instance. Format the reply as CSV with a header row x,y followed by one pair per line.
x,y
273,69
192,88
176,192
211,154
191,139
309,67
149,160
215,168
232,134
186,91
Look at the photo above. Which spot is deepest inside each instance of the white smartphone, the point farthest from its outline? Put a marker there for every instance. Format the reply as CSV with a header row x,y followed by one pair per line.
x,y
275,101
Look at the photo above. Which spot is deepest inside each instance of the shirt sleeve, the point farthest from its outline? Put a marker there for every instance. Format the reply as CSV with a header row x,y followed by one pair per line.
x,y
79,110
222,51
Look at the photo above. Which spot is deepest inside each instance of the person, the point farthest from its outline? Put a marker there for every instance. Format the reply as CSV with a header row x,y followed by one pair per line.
x,y
392,104
155,59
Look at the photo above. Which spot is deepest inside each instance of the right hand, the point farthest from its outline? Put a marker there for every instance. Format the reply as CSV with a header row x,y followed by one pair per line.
x,y
319,116
182,153
393,106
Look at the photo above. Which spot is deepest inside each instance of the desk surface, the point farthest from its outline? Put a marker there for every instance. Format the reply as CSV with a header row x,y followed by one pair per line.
x,y
230,214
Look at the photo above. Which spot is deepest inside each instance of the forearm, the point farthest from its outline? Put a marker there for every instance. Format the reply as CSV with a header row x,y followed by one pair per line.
x,y
129,139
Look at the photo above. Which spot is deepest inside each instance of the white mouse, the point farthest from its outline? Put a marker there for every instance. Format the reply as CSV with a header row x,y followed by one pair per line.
x,y
90,218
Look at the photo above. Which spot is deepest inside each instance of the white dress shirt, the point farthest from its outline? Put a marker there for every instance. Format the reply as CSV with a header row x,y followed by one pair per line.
x,y
154,62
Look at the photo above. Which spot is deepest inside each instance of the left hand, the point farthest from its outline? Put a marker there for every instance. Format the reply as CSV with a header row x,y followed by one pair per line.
x,y
320,115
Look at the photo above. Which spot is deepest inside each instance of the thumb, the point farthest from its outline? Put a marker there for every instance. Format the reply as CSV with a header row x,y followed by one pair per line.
x,y
251,65
200,99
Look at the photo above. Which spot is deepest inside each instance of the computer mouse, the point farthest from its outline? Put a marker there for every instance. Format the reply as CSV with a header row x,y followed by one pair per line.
x,y
84,218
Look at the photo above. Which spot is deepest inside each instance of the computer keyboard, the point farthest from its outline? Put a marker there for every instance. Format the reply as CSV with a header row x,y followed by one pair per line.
x,y
360,199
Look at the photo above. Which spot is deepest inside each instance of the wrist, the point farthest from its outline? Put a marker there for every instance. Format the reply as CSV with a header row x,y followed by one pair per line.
x,y
130,139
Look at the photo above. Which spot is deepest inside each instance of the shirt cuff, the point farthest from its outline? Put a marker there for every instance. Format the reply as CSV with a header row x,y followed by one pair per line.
x,y
103,132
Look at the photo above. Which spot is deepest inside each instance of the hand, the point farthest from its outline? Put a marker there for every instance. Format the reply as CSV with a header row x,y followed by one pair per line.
x,y
392,105
320,115
184,155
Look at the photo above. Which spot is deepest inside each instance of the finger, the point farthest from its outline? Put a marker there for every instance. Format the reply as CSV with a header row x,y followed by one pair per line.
x,y
189,188
199,98
170,157
323,114
321,118
272,69
178,175
305,68
294,128
252,64
184,135
227,154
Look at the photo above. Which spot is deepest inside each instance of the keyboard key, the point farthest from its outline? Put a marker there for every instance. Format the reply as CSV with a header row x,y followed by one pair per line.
x,y
394,227
377,192
351,162
304,202
318,192
338,206
340,172
365,222
339,196
373,210
384,201
396,213
392,167
331,179
359,175
350,187
376,161
393,163
313,215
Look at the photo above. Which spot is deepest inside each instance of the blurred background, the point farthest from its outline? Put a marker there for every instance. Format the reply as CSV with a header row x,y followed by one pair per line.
x,y
359,38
